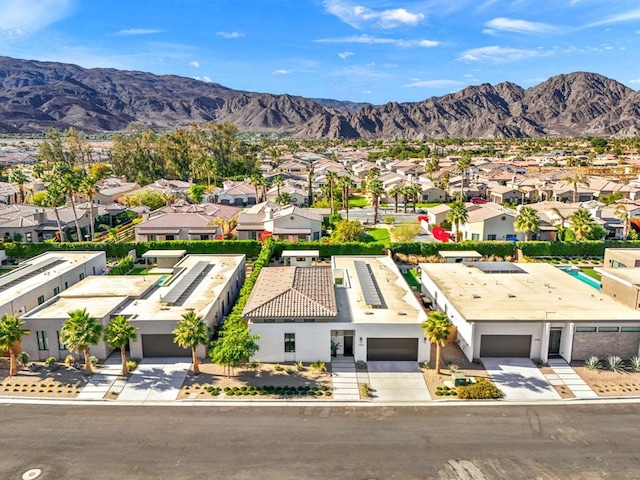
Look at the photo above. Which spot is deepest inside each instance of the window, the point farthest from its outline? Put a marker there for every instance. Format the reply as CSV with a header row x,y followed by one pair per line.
x,y
491,237
629,329
56,290
309,320
169,237
475,236
289,320
61,346
66,285
289,342
586,329
81,276
608,329
511,237
43,340
269,320
29,238
40,299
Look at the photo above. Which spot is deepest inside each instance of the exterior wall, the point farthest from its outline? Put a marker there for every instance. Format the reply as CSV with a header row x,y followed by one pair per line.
x,y
434,195
603,344
295,221
626,294
500,228
538,331
618,257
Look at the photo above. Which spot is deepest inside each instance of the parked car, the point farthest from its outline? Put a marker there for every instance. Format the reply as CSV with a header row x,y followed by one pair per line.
x,y
477,200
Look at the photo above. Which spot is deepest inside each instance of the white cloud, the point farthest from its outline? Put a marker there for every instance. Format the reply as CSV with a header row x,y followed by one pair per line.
x,y
281,71
366,92
18,17
619,18
195,64
635,81
358,16
204,79
137,31
345,55
519,26
433,84
369,40
496,54
230,34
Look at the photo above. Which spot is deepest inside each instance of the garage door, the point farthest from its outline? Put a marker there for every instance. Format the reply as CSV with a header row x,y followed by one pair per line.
x,y
505,346
162,346
392,349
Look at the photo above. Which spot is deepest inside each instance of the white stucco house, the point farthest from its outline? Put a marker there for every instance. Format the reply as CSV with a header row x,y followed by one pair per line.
x,y
490,222
362,304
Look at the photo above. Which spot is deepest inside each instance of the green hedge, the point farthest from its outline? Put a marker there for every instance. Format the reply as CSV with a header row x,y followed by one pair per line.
x,y
589,248
251,248
500,249
123,267
327,250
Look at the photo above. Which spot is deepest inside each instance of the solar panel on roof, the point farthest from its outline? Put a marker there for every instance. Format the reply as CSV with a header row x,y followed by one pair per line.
x,y
496,267
184,283
368,284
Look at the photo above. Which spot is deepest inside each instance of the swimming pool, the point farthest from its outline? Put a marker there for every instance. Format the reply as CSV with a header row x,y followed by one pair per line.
x,y
584,278
163,279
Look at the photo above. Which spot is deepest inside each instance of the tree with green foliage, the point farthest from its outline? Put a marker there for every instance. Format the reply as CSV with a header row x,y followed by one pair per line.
x,y
54,198
234,345
456,216
11,333
462,166
575,180
347,231
79,332
18,177
582,223
118,333
88,187
404,232
346,184
623,215
191,332
100,170
149,198
437,329
331,182
277,182
395,192
375,188
196,193
526,221
284,198
69,179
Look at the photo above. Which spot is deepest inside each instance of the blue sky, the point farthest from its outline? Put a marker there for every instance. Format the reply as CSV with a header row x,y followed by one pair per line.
x,y
367,50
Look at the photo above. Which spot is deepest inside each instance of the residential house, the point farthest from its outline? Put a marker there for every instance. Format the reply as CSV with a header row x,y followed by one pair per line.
x,y
110,190
490,222
238,193
438,214
289,222
35,224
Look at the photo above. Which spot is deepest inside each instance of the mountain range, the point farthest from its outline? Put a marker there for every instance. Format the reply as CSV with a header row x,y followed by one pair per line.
x,y
36,96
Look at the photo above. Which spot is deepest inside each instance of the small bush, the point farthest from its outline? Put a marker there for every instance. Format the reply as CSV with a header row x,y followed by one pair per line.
x,y
360,365
68,360
481,390
50,361
93,359
615,363
453,368
634,362
592,362
277,367
426,365
299,366
131,365
319,366
253,365
23,359
290,370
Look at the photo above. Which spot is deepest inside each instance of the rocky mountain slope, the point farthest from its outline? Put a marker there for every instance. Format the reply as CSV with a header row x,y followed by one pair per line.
x,y
35,96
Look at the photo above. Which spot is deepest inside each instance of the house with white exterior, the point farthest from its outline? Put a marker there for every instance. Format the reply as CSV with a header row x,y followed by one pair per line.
x,y
531,310
289,223
490,222
234,193
360,304
205,284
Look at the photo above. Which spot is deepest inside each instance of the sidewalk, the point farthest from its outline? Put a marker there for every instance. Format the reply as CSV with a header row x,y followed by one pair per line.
x,y
345,379
103,381
563,374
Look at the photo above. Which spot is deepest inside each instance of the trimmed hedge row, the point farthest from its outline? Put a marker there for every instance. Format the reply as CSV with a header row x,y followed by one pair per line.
x,y
328,250
499,249
588,248
251,248
123,267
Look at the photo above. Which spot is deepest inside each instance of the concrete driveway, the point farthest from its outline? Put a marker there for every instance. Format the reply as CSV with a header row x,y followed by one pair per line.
x,y
156,379
519,379
397,382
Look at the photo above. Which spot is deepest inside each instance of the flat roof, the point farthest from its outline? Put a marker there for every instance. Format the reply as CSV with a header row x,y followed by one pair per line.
x,y
542,293
164,254
460,254
300,253
627,275
400,304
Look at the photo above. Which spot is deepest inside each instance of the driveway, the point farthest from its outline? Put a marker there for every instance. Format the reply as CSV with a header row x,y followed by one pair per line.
x,y
519,379
156,379
397,382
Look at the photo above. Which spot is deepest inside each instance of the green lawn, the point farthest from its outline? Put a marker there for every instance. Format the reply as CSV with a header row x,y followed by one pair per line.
x,y
356,201
5,270
378,235
592,273
412,279
139,271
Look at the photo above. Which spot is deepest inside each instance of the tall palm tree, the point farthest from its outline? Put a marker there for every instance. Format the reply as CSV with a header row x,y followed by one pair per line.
x,y
54,198
527,221
395,192
19,177
191,332
277,182
345,183
70,180
582,223
575,180
415,190
256,180
406,194
462,165
437,329
79,332
331,179
431,166
563,218
118,333
458,215
375,189
11,333
622,214
88,187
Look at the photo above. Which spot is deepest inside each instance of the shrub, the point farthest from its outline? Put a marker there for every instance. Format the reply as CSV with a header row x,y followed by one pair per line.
x,y
93,359
481,390
360,365
319,366
277,367
68,360
50,361
453,368
592,362
131,365
290,370
634,362
425,364
253,365
299,366
615,363
23,359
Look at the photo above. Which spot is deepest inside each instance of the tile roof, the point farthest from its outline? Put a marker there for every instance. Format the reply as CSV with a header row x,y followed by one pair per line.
x,y
292,292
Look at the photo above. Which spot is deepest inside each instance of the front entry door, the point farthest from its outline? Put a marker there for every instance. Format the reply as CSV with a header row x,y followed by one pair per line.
x,y
554,341
348,346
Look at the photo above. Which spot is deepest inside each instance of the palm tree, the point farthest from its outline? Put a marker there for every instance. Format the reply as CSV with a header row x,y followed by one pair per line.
x,y
395,192
89,188
278,182
346,184
118,333
527,221
79,332
415,190
563,218
19,177
431,166
11,333
256,180
582,223
54,198
69,181
406,194
575,180
437,328
331,179
375,189
462,165
284,198
457,215
191,332
622,214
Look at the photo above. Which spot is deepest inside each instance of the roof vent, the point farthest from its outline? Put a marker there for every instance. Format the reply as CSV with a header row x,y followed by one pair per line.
x,y
511,295
475,295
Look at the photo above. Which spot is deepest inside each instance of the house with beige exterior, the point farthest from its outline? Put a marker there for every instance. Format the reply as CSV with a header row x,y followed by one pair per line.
x,y
360,304
288,223
205,284
490,222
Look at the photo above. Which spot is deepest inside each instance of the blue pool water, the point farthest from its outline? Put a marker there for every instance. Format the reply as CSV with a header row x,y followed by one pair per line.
x,y
163,279
575,272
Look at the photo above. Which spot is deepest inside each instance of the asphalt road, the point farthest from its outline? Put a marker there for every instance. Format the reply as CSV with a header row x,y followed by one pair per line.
x,y
445,443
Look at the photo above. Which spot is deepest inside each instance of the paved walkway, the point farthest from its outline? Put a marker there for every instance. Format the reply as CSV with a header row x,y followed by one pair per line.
x,y
563,374
103,381
519,379
156,379
345,379
397,382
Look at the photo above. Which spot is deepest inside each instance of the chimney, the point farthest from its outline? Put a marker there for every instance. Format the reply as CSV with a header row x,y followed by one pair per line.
x,y
268,214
